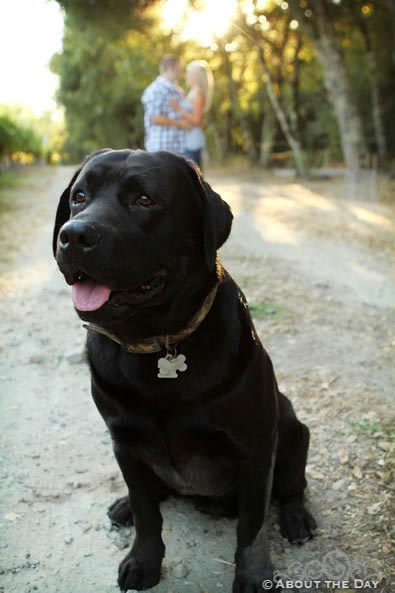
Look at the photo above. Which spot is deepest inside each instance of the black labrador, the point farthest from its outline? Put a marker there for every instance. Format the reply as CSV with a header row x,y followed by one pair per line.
x,y
178,372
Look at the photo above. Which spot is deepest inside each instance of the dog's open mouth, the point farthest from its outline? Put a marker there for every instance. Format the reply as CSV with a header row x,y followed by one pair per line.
x,y
89,295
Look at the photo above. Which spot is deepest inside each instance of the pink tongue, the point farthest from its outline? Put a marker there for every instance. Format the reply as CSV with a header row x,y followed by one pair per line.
x,y
88,295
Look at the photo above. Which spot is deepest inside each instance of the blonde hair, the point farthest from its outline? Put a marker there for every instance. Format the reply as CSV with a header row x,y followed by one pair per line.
x,y
205,80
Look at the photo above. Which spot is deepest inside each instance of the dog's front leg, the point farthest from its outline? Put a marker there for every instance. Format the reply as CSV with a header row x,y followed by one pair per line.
x,y
140,569
253,564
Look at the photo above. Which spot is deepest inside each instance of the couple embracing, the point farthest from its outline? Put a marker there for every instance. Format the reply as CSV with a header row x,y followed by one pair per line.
x,y
173,121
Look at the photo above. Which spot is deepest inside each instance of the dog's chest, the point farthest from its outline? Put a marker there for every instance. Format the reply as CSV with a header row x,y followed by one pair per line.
x,y
195,464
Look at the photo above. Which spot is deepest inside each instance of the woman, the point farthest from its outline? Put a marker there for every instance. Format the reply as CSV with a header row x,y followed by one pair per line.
x,y
197,102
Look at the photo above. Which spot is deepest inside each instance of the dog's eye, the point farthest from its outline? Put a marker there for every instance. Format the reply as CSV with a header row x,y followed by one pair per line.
x,y
79,197
145,201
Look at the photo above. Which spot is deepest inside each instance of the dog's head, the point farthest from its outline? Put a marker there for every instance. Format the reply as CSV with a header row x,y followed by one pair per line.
x,y
134,231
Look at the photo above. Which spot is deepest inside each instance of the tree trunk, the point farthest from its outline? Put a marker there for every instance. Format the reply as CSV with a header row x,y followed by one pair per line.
x,y
339,90
377,115
219,144
376,107
391,7
245,129
295,113
282,120
267,137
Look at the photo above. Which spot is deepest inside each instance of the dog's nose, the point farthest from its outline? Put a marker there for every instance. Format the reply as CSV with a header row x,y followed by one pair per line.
x,y
78,235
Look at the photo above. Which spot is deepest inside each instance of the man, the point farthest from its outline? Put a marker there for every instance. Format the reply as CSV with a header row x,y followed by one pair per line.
x,y
164,126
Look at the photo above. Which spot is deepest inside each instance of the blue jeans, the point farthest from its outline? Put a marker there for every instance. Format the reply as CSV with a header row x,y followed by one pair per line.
x,y
194,155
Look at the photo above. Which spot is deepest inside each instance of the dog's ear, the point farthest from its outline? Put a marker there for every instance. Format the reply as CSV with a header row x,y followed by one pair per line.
x,y
63,211
217,216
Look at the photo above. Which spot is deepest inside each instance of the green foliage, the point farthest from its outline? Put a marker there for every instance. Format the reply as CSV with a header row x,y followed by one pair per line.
x,y
366,426
17,138
102,78
109,18
8,135
7,181
101,83
264,309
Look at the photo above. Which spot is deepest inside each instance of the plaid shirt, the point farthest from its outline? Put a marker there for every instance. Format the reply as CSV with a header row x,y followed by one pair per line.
x,y
156,101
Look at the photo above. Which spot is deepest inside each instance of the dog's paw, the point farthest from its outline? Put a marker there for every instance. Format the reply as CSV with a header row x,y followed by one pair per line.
x,y
137,574
250,583
119,512
297,525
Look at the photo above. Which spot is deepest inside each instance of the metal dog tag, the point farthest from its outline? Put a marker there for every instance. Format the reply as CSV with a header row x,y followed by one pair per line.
x,y
170,364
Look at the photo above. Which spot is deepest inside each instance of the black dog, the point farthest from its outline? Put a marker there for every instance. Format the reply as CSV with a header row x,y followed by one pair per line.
x,y
178,373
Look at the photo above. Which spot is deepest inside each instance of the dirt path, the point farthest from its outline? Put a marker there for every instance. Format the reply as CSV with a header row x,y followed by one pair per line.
x,y
319,276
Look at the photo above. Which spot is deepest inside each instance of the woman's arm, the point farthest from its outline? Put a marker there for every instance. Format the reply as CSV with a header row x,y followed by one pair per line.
x,y
196,117
164,120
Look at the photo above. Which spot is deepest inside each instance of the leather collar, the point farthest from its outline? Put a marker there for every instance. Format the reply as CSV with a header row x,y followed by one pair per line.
x,y
158,343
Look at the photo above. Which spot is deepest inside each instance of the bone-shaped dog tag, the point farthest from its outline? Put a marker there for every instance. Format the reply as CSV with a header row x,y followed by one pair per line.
x,y
170,364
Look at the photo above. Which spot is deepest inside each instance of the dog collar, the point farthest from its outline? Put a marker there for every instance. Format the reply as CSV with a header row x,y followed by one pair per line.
x,y
162,342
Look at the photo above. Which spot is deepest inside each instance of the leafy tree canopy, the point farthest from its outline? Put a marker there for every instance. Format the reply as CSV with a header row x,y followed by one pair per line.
x,y
111,50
